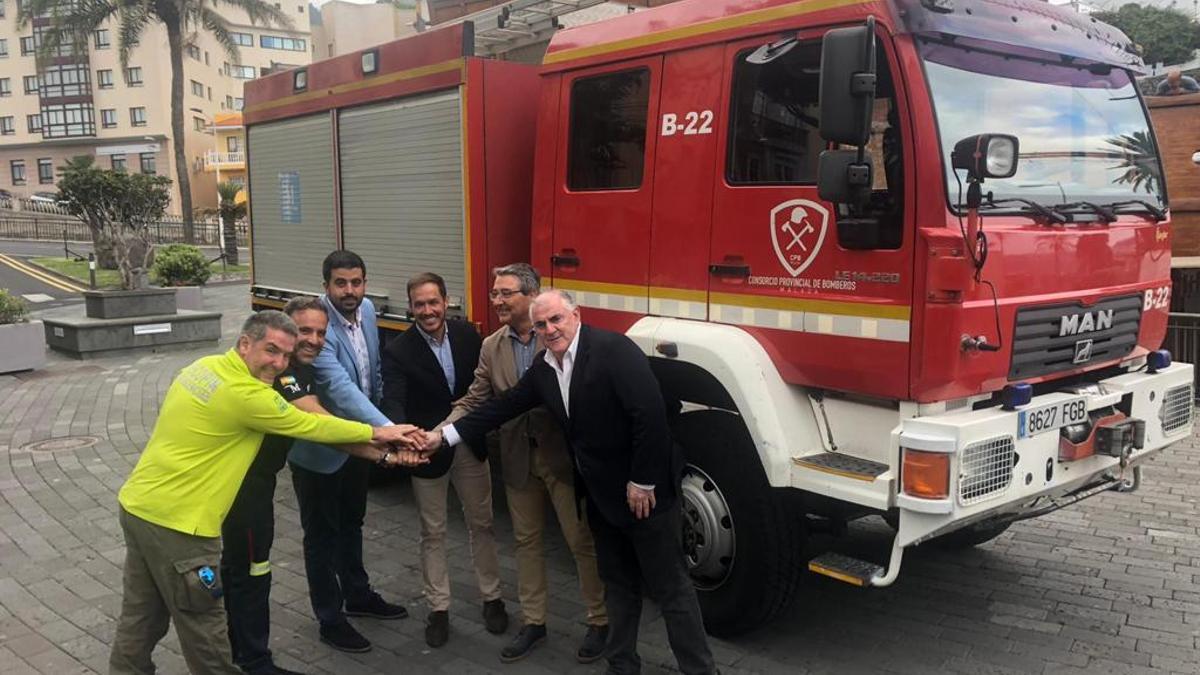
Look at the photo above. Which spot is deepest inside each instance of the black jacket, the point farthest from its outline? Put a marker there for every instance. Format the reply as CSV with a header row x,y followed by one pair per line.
x,y
415,389
617,428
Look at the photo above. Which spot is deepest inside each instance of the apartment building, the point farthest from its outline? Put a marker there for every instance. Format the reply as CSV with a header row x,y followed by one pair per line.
x,y
341,27
85,103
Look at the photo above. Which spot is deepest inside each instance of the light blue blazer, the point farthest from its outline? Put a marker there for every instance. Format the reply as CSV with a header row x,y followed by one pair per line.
x,y
337,377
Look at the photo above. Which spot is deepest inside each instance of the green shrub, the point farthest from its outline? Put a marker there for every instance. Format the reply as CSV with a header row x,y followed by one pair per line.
x,y
180,265
12,308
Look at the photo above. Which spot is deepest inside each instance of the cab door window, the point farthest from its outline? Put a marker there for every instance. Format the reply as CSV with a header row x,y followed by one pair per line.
x,y
607,147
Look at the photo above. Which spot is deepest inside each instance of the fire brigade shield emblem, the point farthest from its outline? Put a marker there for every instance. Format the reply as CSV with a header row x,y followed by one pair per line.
x,y
798,229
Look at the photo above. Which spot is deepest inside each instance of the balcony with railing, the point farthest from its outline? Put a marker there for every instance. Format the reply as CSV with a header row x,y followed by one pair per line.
x,y
224,161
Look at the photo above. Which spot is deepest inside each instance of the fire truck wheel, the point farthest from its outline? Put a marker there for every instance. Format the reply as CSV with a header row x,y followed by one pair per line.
x,y
971,535
742,538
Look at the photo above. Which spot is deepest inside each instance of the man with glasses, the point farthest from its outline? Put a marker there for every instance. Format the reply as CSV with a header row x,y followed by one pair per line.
x,y
535,464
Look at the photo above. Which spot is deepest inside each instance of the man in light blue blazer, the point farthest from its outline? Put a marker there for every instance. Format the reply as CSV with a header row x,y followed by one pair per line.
x,y
331,487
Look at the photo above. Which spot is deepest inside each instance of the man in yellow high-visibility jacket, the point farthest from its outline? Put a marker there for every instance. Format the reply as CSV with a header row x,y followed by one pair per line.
x,y
209,429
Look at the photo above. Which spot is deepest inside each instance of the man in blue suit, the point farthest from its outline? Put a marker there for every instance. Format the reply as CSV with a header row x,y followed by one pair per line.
x,y
331,487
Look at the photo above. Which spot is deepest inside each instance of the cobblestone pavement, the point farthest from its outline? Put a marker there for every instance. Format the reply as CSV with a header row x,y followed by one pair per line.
x,y
1109,586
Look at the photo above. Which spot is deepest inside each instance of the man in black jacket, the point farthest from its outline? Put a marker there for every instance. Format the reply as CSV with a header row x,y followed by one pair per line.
x,y
424,371
600,388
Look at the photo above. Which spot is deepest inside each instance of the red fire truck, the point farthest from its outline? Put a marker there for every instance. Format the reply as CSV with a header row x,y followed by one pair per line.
x,y
907,259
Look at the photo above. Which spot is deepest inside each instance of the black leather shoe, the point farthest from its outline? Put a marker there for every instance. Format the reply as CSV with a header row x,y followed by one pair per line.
x,y
342,636
437,628
530,636
272,669
593,644
377,608
495,617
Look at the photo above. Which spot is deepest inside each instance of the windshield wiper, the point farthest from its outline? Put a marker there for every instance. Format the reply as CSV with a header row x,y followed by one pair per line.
x,y
1045,212
1156,213
1104,213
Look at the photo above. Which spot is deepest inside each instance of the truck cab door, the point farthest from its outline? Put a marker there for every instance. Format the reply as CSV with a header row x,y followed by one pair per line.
x,y
781,265
605,169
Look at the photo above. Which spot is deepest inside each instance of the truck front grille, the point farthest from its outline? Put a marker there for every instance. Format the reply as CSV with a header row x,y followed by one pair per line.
x,y
1055,338
1176,410
986,469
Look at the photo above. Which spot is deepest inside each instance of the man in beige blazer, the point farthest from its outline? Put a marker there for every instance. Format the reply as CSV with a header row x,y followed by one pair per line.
x,y
534,463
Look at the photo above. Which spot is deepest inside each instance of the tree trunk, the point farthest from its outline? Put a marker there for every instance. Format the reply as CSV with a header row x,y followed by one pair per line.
x,y
231,249
182,168
102,246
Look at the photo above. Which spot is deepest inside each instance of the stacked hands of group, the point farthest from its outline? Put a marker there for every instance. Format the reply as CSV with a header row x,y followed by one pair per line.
x,y
411,446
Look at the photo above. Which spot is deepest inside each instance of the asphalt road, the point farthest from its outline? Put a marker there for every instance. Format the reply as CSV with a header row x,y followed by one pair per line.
x,y
39,288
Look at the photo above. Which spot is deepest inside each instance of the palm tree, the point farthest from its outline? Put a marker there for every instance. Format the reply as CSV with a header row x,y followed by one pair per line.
x,y
1139,161
71,22
231,212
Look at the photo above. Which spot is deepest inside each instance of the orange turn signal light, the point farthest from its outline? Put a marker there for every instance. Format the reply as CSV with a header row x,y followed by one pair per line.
x,y
926,474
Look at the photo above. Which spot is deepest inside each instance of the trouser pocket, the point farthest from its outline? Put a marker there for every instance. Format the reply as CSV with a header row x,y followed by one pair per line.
x,y
199,584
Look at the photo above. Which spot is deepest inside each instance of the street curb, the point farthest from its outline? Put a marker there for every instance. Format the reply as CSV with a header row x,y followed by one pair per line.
x,y
28,260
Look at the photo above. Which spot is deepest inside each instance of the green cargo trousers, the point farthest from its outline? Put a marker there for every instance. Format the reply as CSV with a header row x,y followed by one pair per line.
x,y
169,576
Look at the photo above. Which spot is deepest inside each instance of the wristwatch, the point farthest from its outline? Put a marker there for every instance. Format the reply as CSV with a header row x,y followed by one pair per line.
x,y
383,459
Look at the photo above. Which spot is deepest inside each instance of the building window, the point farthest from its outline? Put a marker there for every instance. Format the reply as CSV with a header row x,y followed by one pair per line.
x,y
242,39
31,84
17,168
45,171
197,88
66,80
2,10
5,86
104,79
137,116
243,72
193,52
210,93
28,46
607,147
118,163
108,118
148,166
233,144
238,103
7,128
206,58
34,123
103,39
284,43
3,48
300,8
198,123
68,120
133,76
229,101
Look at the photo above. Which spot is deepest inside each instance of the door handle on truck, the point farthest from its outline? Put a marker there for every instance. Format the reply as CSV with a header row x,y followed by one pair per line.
x,y
564,260
729,270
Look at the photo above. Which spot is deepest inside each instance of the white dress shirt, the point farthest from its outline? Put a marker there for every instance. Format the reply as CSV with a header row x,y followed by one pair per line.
x,y
358,345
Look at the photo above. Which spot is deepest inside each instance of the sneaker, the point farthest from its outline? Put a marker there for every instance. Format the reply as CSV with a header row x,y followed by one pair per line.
x,y
437,628
376,608
530,636
272,669
495,617
342,636
593,644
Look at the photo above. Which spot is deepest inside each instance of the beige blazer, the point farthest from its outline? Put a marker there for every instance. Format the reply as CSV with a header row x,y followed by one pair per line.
x,y
496,374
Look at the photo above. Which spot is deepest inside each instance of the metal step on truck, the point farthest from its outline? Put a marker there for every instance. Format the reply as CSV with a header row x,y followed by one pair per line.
x,y
907,259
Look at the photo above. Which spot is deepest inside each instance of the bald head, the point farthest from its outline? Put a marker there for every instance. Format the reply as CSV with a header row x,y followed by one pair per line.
x,y
555,320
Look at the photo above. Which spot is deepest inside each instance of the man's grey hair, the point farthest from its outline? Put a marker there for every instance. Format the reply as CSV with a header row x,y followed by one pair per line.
x,y
531,281
568,301
304,303
256,325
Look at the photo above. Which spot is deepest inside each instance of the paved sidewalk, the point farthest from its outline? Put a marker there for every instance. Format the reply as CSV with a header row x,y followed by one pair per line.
x,y
1109,586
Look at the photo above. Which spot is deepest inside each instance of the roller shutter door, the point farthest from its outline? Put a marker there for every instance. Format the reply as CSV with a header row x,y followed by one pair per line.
x,y
292,210
402,192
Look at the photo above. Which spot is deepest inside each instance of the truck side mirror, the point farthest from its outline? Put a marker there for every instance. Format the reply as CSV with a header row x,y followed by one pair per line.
x,y
845,178
848,84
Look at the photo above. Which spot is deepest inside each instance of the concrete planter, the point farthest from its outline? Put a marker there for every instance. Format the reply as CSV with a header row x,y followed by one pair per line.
x,y
125,304
24,346
189,297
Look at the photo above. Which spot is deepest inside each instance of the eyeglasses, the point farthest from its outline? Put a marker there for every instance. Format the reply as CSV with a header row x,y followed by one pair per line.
x,y
505,293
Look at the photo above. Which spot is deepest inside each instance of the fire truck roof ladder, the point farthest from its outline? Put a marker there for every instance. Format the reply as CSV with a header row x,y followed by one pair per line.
x,y
520,23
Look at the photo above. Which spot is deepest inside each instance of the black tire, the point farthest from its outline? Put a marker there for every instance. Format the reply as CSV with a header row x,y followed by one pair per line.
x,y
740,592
971,535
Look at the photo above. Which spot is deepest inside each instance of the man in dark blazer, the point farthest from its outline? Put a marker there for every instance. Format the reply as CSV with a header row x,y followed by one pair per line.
x,y
425,370
600,388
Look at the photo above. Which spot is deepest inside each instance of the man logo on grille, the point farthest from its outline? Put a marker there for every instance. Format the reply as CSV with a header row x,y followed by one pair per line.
x,y
1083,352
797,230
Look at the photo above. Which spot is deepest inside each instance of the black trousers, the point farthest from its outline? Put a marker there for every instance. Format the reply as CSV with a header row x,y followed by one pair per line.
x,y
332,506
647,556
247,534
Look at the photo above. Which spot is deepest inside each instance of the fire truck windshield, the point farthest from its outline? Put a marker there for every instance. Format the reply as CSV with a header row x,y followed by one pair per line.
x,y
1083,132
